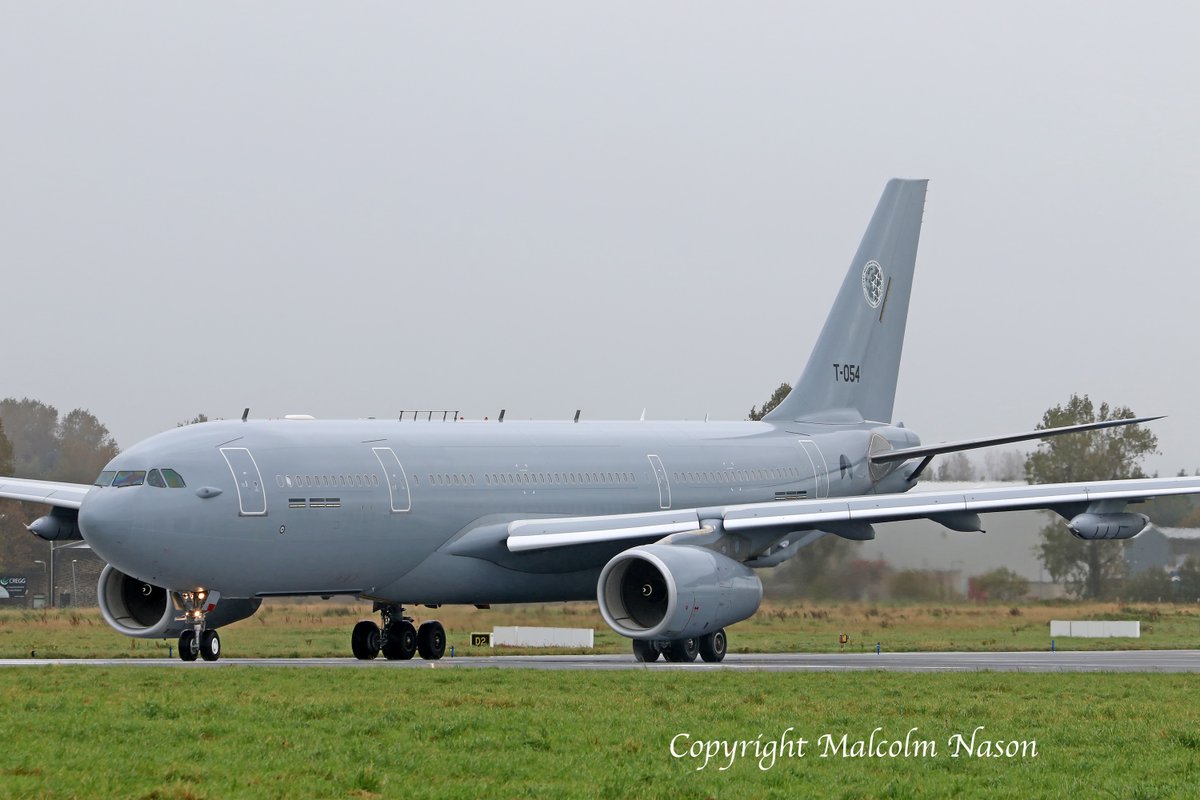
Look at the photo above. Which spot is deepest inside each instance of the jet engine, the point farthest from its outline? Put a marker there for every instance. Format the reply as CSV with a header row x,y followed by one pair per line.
x,y
661,591
1107,526
143,610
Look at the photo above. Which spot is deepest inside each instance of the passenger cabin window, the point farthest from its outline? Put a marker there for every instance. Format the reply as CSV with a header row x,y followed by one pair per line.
x,y
129,477
106,478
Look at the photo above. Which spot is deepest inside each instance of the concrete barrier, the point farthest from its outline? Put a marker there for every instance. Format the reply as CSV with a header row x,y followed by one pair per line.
x,y
514,636
1096,629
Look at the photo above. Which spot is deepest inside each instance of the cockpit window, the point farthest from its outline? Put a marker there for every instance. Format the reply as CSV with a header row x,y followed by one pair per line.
x,y
106,478
165,479
174,479
129,477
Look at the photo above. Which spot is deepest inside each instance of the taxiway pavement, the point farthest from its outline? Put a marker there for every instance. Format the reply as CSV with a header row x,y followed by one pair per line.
x,y
1061,661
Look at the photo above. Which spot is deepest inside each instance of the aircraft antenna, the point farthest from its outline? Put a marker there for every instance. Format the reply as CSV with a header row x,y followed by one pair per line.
x,y
501,419
577,414
245,414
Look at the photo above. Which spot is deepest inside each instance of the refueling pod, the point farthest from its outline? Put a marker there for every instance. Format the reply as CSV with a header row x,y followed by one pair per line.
x,y
1125,525
60,525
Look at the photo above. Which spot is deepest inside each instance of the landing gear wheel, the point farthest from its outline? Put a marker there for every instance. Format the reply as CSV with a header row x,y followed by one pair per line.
x,y
364,641
431,640
713,645
400,644
188,650
210,645
646,650
683,650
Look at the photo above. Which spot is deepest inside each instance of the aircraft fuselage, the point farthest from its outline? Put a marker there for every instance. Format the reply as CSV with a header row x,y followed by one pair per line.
x,y
377,508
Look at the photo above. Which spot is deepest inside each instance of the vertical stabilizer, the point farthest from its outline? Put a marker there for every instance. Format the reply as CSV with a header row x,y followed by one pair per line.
x,y
856,360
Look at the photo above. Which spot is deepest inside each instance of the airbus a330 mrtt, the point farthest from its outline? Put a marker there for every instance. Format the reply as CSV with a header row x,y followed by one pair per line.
x,y
665,524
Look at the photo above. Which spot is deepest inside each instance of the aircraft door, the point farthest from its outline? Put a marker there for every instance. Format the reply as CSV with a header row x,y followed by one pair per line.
x,y
252,499
820,469
397,481
664,486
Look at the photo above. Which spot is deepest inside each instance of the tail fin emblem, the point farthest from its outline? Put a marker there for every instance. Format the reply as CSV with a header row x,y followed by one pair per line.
x,y
872,283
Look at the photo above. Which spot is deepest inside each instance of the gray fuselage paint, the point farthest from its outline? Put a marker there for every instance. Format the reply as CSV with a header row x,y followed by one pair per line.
x,y
459,479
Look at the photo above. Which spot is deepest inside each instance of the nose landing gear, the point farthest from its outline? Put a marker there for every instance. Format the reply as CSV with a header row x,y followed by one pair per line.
x,y
198,640
398,638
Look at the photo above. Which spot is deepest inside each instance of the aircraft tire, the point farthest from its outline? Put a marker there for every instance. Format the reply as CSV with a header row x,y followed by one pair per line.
x,y
683,651
645,650
210,645
401,641
187,646
713,646
431,640
364,641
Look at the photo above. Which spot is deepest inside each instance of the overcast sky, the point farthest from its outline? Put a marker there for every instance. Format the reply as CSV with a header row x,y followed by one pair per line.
x,y
349,210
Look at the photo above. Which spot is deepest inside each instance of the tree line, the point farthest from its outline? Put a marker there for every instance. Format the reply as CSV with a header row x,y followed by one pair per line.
x,y
37,442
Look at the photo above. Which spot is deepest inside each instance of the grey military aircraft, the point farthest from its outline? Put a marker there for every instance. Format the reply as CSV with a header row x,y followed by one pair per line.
x,y
665,524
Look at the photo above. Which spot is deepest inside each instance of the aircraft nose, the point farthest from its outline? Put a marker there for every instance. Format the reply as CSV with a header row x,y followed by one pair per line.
x,y
109,525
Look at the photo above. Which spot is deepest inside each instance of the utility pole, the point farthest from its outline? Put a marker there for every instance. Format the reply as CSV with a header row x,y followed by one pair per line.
x,y
44,574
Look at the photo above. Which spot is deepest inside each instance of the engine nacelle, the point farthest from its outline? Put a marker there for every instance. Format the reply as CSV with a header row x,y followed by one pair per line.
x,y
145,611
1107,526
661,591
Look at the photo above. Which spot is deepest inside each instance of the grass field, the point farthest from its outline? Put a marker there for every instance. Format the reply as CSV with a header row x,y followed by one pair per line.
x,y
79,731
284,629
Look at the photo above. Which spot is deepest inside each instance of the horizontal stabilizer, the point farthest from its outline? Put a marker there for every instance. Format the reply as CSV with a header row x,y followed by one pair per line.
x,y
927,452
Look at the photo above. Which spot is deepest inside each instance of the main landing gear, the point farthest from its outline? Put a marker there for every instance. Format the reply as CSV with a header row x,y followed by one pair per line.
x,y
398,639
197,640
711,647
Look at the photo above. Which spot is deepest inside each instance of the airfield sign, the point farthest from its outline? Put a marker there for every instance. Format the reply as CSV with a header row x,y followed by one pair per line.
x,y
13,587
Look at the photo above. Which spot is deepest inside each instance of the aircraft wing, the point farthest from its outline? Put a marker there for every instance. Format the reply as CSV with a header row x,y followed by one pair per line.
x,y
1067,498
53,493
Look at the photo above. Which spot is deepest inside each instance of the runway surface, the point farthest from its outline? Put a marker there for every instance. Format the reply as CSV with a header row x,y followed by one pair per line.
x,y
1076,661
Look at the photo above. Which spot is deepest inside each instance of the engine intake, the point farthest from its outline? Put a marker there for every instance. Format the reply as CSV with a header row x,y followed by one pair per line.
x,y
1107,526
145,611
662,591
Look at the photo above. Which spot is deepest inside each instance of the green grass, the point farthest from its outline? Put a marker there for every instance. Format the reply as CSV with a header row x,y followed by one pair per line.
x,y
78,731
284,629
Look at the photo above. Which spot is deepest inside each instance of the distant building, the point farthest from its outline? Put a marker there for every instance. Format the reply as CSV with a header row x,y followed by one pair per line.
x,y
1162,548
